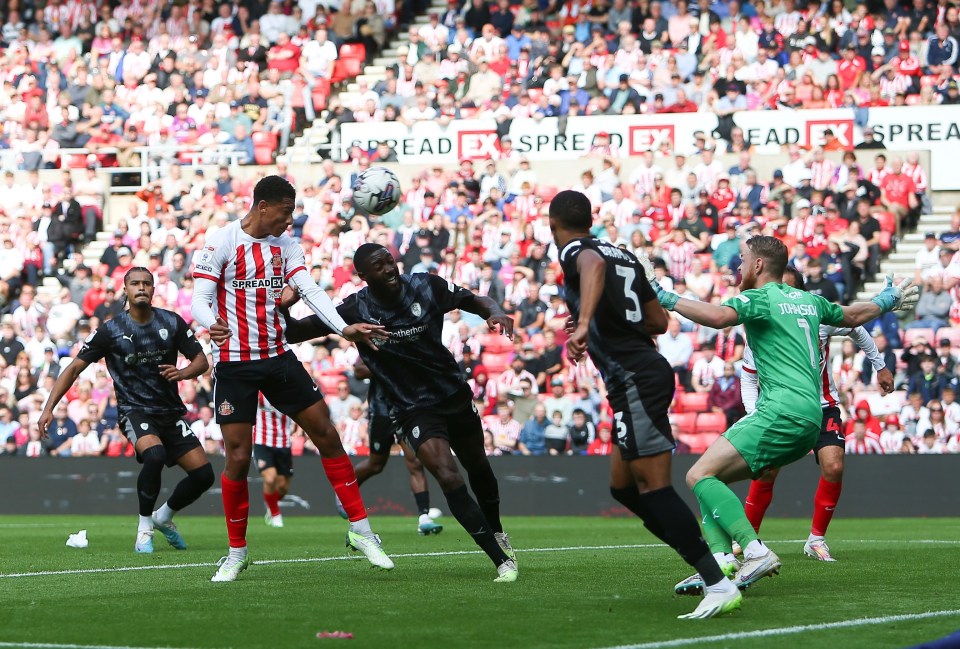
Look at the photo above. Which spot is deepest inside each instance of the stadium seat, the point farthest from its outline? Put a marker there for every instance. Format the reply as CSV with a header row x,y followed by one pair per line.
x,y
700,443
888,222
345,69
264,146
320,93
694,357
297,443
909,335
495,363
328,383
886,241
711,422
495,344
547,192
950,333
685,421
693,401
356,51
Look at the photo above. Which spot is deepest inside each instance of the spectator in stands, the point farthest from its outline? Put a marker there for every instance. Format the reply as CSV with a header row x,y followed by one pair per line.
x,y
927,382
533,436
861,442
61,432
707,369
933,309
505,429
677,348
725,395
581,432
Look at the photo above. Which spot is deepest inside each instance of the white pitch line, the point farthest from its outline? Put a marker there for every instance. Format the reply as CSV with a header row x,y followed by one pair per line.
x,y
48,645
790,630
574,548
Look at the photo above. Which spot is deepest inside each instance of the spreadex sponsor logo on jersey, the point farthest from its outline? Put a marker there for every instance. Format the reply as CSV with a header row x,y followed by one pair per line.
x,y
266,282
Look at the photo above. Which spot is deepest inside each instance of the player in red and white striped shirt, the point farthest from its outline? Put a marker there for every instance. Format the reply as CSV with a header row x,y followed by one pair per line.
x,y
241,272
271,451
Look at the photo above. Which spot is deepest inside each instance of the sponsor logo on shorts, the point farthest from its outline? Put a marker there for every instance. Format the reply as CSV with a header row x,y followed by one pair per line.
x,y
144,426
262,464
225,408
416,310
376,446
163,334
415,432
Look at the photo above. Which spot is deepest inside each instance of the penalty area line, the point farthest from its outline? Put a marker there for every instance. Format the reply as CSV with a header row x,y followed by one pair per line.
x,y
791,630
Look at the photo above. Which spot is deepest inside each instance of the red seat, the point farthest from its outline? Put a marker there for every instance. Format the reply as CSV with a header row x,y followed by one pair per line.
x,y
950,333
297,443
685,421
345,69
694,357
264,146
886,241
909,335
353,51
699,443
711,422
328,383
320,93
496,363
693,402
547,192
888,221
495,344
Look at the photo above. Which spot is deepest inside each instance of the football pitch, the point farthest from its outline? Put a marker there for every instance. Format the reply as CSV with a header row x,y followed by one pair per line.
x,y
589,583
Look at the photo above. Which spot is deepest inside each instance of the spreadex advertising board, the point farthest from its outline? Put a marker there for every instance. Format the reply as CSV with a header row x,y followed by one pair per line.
x,y
932,128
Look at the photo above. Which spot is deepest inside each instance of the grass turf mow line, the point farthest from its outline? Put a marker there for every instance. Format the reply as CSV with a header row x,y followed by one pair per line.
x,y
790,630
454,553
46,645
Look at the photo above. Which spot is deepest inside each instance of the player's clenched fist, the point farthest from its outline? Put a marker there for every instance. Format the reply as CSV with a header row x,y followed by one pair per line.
x,y
220,332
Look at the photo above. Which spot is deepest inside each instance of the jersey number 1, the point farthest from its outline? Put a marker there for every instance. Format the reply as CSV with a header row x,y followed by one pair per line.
x,y
811,346
628,274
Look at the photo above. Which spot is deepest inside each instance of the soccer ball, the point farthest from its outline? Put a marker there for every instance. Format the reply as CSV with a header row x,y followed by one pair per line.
x,y
377,190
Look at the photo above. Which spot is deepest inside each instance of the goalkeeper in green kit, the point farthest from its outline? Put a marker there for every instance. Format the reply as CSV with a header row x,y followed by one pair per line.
x,y
782,326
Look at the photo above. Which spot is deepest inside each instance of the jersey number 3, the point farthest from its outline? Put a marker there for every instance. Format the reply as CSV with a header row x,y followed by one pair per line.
x,y
628,274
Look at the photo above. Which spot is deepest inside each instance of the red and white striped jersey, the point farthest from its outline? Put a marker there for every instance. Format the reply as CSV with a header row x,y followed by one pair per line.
x,y
823,173
273,428
869,445
876,176
250,275
918,174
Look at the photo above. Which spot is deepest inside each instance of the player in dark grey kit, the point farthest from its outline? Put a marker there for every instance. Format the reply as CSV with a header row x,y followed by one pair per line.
x,y
141,347
615,313
420,378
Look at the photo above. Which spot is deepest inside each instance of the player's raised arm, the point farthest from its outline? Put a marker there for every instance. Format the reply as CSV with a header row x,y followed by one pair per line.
x,y
490,311
894,297
865,342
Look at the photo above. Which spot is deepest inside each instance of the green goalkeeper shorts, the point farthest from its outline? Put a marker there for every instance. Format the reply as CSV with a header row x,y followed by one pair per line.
x,y
773,436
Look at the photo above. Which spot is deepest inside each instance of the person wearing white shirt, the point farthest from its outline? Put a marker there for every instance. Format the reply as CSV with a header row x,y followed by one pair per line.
x,y
707,369
676,347
928,255
619,207
86,441
319,55
796,169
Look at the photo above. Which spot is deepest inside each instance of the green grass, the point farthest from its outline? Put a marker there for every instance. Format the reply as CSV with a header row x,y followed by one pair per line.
x,y
569,598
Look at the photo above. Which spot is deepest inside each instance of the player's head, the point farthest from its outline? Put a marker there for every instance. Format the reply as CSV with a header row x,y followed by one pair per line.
x,y
762,256
377,267
794,278
138,286
274,200
571,212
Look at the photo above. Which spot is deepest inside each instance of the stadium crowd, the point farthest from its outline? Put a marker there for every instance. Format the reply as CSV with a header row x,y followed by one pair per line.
x,y
83,74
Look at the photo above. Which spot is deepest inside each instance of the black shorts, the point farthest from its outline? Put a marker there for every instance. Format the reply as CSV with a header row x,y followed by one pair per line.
x,y
383,433
268,457
641,426
831,431
174,433
281,379
455,419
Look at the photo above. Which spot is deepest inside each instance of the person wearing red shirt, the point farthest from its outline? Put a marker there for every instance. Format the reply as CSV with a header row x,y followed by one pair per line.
x,y
851,67
906,63
284,56
723,197
602,444
103,137
898,193
834,223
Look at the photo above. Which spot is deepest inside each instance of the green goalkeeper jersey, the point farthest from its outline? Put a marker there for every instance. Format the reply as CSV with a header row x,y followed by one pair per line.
x,y
782,325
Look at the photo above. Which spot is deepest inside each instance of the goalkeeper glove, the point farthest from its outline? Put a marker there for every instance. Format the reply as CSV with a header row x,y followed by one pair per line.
x,y
901,297
667,299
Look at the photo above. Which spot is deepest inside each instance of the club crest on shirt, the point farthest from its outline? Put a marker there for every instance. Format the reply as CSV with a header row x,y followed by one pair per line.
x,y
225,408
163,334
416,310
277,261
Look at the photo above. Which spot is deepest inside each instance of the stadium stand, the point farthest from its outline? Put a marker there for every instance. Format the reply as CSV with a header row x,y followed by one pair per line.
x,y
132,130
